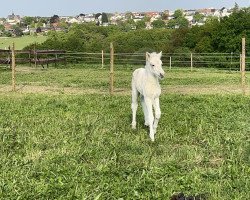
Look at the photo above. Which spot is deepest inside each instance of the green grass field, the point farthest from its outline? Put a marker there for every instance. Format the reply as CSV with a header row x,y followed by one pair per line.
x,y
91,78
72,140
21,42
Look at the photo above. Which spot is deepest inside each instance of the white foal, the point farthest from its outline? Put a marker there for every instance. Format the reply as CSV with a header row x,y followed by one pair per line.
x,y
145,82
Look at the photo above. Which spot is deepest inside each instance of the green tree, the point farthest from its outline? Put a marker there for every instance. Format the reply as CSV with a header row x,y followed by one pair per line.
x,y
236,7
38,30
140,24
147,19
17,31
198,17
28,20
204,45
54,19
32,25
2,27
165,16
63,25
127,25
177,39
179,20
178,13
182,22
129,15
172,24
229,30
39,24
104,18
158,24
7,34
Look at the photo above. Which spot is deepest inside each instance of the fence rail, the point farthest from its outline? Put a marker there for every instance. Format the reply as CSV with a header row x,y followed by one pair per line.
x,y
229,61
32,57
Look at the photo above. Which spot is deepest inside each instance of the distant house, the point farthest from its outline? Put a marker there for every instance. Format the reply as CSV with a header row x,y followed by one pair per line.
x,y
54,25
8,26
26,31
189,12
89,18
207,11
190,20
1,22
138,16
117,17
223,12
80,18
154,15
13,19
72,20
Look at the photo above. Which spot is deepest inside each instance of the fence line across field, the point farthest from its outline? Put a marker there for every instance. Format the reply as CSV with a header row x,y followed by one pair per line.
x,y
187,59
169,59
172,61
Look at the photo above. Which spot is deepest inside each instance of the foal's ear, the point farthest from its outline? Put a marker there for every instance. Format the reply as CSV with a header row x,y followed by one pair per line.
x,y
147,56
160,54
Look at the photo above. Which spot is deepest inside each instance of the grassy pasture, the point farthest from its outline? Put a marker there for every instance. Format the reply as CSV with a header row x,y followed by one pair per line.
x,y
21,42
82,146
74,141
91,78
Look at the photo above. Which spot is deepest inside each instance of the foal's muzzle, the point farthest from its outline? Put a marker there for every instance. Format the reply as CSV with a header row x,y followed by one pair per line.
x,y
161,75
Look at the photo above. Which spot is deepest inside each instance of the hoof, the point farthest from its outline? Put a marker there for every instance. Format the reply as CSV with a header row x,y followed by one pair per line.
x,y
152,138
133,125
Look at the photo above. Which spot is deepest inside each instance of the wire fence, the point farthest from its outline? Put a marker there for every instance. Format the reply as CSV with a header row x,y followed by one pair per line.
x,y
227,61
124,64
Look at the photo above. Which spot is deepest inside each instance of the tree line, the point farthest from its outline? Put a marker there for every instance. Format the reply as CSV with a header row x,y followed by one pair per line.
x,y
217,35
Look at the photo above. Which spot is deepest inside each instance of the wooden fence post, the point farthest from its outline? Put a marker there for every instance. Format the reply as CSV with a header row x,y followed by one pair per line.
x,y
243,66
35,54
240,63
111,89
102,59
30,57
56,57
170,62
13,67
191,62
10,57
231,61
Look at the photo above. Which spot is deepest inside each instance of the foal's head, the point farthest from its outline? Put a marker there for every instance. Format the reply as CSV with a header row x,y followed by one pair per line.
x,y
154,64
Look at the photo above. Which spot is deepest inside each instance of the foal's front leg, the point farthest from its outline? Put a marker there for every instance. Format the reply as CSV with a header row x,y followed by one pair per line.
x,y
149,107
145,111
157,109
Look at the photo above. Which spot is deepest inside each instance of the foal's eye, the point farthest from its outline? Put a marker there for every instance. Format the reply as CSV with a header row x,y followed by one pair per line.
x,y
152,65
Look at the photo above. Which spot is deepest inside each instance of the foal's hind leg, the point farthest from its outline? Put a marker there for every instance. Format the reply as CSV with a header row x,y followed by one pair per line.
x,y
134,106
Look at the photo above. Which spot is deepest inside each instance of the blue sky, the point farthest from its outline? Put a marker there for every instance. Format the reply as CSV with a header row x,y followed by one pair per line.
x,y
75,7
